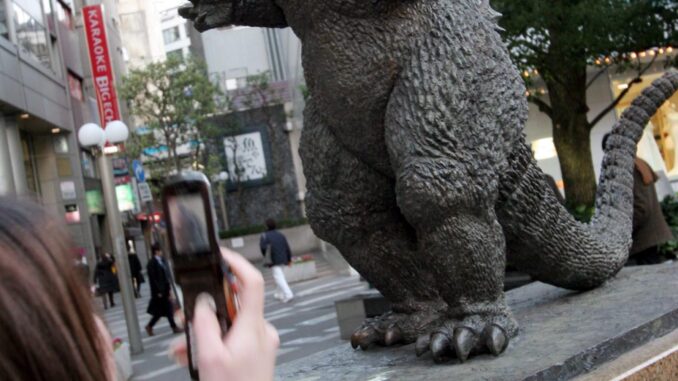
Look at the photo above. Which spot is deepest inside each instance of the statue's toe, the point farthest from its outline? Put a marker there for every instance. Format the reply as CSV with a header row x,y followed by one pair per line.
x,y
464,341
423,344
440,346
496,339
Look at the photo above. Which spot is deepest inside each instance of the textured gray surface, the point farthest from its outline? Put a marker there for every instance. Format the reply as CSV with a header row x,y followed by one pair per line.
x,y
563,334
418,171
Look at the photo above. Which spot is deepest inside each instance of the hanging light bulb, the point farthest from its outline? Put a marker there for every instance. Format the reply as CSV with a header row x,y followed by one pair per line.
x,y
669,50
634,55
608,60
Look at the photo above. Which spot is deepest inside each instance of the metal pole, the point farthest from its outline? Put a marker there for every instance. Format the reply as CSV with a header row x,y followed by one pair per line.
x,y
224,214
120,252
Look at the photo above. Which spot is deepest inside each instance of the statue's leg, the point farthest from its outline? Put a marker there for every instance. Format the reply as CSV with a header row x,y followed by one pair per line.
x,y
447,186
353,207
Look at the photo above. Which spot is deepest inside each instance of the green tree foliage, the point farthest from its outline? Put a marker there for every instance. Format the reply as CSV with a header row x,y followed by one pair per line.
x,y
563,41
173,99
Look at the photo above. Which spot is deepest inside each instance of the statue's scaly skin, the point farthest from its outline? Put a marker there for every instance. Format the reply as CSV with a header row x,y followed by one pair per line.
x,y
418,171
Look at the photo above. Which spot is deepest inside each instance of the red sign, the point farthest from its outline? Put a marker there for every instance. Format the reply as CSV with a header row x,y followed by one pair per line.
x,y
100,61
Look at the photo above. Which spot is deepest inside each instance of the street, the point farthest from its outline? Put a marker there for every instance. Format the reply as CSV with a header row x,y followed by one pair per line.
x,y
306,325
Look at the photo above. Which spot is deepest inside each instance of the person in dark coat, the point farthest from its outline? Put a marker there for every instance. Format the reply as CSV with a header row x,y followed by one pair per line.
x,y
160,280
281,255
106,280
135,271
650,229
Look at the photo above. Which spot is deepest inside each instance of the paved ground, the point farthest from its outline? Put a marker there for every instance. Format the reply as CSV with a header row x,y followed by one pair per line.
x,y
306,325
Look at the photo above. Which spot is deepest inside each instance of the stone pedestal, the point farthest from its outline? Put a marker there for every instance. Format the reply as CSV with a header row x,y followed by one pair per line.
x,y
352,312
563,334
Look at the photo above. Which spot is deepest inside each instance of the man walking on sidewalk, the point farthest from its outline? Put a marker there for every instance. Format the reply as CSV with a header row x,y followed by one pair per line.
x,y
280,256
160,281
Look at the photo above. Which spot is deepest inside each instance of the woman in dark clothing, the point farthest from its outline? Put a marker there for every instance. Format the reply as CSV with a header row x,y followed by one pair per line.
x,y
135,271
105,279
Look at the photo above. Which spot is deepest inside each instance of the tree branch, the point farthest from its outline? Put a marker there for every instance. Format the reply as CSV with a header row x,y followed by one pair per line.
x,y
543,106
596,76
621,95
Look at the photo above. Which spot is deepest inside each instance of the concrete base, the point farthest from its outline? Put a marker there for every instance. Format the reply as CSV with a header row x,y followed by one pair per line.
x,y
351,312
563,334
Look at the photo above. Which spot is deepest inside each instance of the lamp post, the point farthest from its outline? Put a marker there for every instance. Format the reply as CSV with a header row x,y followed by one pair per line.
x,y
92,136
221,179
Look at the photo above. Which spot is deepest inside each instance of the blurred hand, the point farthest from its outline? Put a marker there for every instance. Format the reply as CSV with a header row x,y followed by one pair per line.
x,y
248,351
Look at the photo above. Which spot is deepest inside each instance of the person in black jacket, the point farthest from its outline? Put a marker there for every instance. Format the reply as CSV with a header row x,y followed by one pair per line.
x,y
105,279
135,271
280,256
161,287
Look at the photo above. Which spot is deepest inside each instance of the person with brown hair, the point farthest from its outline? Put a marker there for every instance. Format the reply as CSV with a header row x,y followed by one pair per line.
x,y
49,329
46,312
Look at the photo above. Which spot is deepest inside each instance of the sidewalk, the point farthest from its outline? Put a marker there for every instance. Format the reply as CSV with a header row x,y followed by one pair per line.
x,y
306,325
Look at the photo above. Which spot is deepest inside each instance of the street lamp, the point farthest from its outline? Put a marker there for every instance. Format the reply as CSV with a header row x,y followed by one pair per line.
x,y
92,136
221,179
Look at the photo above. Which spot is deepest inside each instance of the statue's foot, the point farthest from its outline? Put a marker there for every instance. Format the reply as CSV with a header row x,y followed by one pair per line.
x,y
395,328
472,335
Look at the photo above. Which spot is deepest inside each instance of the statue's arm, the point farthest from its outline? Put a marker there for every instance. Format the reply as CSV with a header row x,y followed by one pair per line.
x,y
263,13
208,14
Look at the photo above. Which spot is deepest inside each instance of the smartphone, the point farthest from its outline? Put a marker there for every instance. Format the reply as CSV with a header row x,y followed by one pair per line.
x,y
194,250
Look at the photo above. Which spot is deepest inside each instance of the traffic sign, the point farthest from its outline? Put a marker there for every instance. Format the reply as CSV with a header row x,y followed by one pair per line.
x,y
138,171
145,192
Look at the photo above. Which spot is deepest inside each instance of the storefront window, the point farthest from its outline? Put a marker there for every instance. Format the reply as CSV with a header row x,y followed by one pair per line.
x,y
4,29
31,34
659,145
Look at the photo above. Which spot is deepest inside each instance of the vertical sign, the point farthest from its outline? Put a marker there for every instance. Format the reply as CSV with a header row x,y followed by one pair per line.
x,y
100,62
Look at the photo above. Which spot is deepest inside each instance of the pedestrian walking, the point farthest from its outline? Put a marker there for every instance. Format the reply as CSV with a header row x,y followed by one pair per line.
x,y
105,280
135,271
280,255
160,280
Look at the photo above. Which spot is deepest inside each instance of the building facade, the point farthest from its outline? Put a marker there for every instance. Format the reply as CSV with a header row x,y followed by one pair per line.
x,y
45,96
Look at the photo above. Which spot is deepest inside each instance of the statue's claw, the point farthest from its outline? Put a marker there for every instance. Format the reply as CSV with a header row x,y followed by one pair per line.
x,y
464,341
440,346
364,337
393,328
393,335
496,339
473,335
422,345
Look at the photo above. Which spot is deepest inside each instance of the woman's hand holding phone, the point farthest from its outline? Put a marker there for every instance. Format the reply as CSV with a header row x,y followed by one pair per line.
x,y
248,350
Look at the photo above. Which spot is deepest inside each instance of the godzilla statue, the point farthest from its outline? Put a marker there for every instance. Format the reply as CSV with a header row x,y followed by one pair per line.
x,y
418,171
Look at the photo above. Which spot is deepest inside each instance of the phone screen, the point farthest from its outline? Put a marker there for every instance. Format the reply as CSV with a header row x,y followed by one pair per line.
x,y
189,224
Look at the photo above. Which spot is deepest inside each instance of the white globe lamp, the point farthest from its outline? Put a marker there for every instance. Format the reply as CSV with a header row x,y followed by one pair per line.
x,y
223,176
116,132
91,135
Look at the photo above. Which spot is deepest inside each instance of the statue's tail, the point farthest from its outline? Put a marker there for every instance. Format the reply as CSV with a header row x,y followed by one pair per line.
x,y
545,241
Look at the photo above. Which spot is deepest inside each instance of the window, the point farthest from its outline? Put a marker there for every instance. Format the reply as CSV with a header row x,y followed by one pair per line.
x,y
4,29
176,55
75,85
65,14
171,35
32,36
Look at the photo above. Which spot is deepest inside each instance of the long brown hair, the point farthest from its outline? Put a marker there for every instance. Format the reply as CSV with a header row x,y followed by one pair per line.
x,y
47,324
